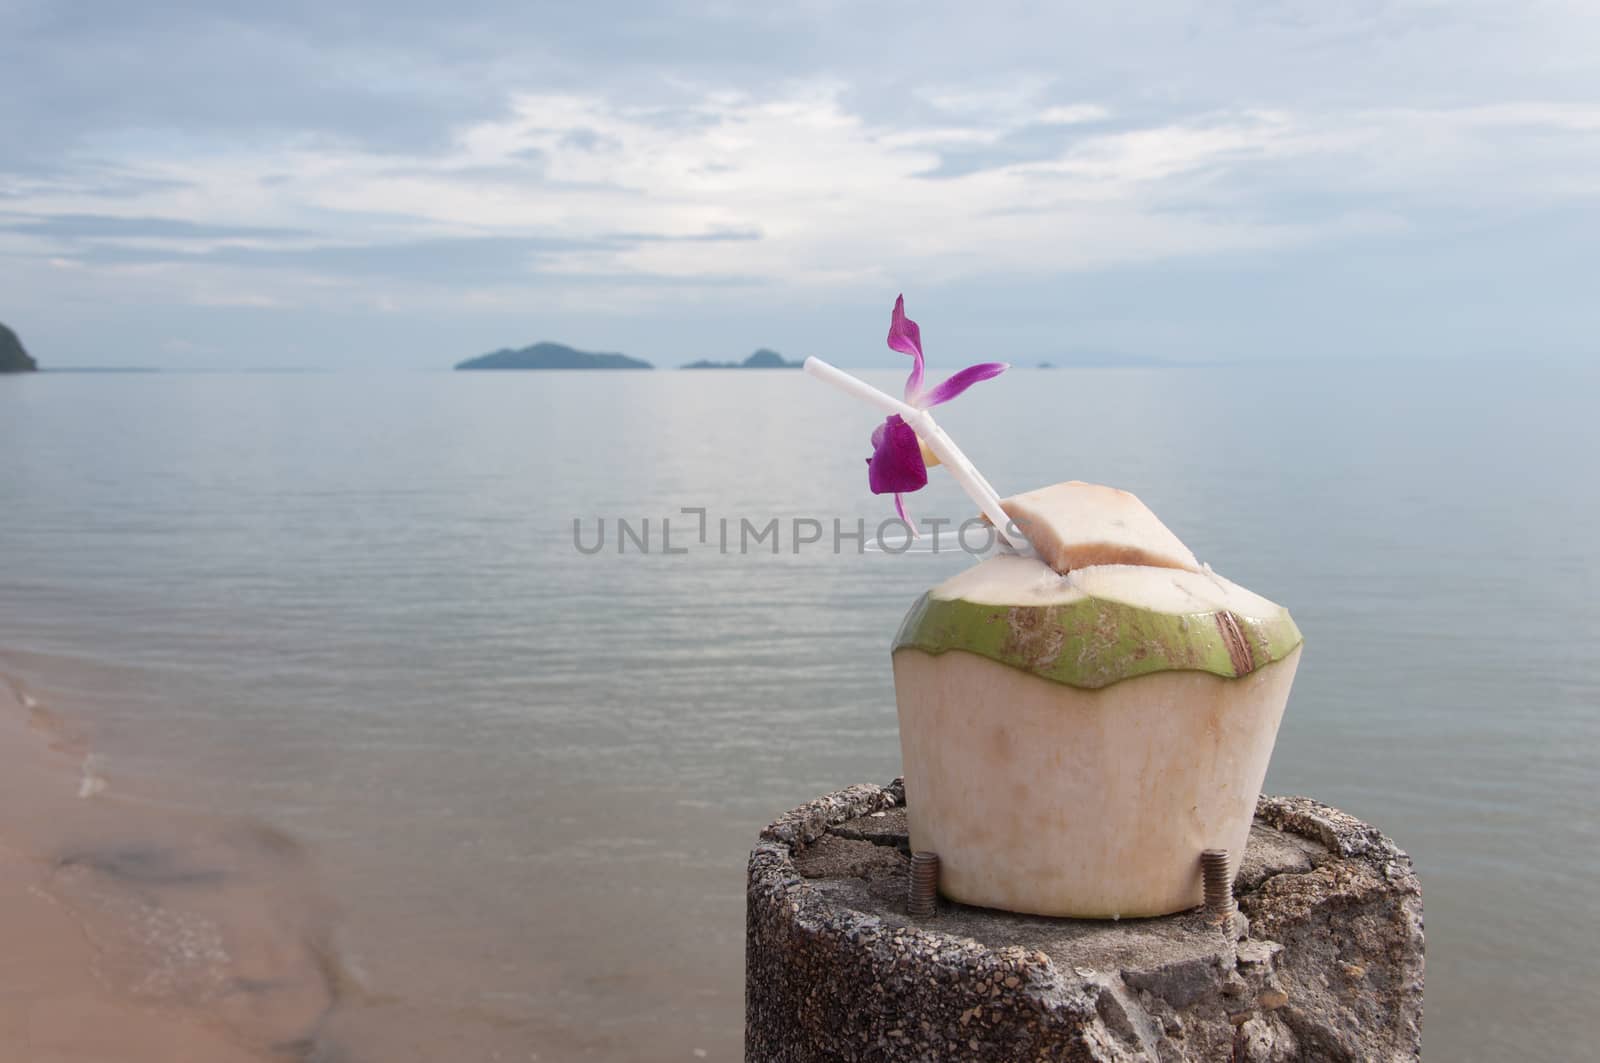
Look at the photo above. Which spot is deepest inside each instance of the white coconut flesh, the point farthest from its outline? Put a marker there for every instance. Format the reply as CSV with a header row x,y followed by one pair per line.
x,y
1093,803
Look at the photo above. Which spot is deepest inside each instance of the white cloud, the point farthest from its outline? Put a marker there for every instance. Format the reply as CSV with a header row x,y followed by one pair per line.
x,y
1073,114
835,199
1004,101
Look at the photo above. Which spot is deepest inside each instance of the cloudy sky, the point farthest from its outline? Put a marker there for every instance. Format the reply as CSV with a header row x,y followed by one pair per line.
x,y
406,183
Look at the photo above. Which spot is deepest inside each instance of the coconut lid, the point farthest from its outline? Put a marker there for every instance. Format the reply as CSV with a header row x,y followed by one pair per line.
x,y
1075,525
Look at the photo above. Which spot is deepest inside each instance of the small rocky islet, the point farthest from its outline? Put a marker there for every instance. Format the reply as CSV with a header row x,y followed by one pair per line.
x,y
762,359
13,357
552,356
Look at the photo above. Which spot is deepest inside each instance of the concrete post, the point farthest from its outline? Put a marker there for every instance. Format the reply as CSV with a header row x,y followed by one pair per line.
x,y
1327,963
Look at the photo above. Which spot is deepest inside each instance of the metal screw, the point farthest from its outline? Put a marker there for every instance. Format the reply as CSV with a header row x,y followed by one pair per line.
x,y
922,898
1217,867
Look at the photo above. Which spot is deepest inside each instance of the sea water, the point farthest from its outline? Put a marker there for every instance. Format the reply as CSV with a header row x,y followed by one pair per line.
x,y
352,610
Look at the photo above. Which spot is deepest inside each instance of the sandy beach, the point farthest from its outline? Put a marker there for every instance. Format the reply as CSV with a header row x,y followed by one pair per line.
x,y
134,934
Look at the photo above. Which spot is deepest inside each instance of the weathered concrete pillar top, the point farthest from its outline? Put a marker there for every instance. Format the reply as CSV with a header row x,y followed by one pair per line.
x,y
1328,964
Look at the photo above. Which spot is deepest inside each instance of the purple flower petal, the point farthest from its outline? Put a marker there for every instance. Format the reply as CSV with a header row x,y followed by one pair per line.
x,y
900,509
896,462
905,337
959,382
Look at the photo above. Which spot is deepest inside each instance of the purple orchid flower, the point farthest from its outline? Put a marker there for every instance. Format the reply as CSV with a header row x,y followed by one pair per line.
x,y
897,464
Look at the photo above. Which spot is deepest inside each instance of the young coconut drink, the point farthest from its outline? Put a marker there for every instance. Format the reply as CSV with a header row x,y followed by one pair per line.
x,y
1085,712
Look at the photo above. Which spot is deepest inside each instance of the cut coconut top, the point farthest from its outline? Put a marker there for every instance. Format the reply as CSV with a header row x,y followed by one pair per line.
x,y
1100,625
1076,525
1011,580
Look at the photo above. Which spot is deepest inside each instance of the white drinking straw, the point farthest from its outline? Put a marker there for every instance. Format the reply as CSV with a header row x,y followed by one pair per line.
x,y
966,474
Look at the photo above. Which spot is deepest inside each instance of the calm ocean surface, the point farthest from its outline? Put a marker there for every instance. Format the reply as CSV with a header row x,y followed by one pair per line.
x,y
349,606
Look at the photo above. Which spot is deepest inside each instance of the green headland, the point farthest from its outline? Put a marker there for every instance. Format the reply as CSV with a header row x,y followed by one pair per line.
x,y
13,358
552,356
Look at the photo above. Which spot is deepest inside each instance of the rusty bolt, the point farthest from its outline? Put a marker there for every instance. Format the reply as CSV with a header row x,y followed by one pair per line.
x,y
923,896
1217,867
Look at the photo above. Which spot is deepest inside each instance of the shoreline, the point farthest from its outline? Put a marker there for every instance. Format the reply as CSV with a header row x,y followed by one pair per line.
x,y
142,934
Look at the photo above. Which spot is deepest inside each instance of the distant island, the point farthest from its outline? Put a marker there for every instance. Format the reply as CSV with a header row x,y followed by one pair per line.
x,y
552,356
13,359
762,359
